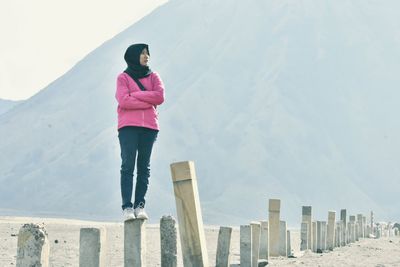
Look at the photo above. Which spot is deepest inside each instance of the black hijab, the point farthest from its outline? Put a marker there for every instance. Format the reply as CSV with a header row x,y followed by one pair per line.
x,y
132,58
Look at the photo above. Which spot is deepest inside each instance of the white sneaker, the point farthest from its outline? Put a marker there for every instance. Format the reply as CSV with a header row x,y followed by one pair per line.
x,y
128,214
140,213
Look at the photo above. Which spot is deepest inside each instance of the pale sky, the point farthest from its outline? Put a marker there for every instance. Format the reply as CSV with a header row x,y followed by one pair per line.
x,y
42,39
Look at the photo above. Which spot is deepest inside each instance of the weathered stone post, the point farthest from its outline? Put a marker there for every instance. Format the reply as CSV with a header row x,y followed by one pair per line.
x,y
282,239
319,236
264,241
255,242
188,209
360,226
324,230
274,213
245,246
304,236
314,242
364,221
168,241
307,217
288,243
33,246
371,219
223,247
352,230
92,242
338,233
343,218
135,243
331,230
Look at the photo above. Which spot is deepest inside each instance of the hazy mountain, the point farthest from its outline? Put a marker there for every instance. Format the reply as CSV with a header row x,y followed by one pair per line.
x,y
294,100
6,105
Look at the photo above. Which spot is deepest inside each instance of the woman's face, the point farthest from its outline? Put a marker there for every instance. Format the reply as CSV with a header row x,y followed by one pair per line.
x,y
144,57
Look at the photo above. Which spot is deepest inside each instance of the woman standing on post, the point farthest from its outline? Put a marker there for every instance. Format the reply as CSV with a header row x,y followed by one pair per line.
x,y
139,92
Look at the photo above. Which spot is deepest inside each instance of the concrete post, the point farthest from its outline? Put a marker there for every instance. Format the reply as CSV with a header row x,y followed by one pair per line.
x,y
282,239
135,243
255,245
330,242
33,246
307,217
274,214
223,248
324,234
288,244
343,236
256,240
264,241
364,221
168,241
338,233
190,220
319,236
352,231
304,236
92,242
360,226
245,246
314,236
343,218
357,231
372,219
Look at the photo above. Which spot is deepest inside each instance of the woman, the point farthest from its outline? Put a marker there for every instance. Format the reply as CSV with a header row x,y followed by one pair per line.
x,y
139,92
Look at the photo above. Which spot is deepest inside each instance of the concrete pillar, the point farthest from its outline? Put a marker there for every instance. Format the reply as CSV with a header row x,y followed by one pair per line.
x,y
92,244
168,241
190,220
282,239
324,234
304,236
330,237
288,243
364,221
319,236
352,231
379,231
273,220
343,236
343,218
135,243
223,247
357,231
372,220
314,236
255,242
245,246
338,234
307,217
33,246
264,241
360,226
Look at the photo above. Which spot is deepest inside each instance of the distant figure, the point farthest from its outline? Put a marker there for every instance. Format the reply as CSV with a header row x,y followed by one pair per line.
x,y
139,91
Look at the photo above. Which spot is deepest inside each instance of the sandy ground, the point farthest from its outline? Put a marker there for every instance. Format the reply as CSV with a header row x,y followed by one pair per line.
x,y
63,236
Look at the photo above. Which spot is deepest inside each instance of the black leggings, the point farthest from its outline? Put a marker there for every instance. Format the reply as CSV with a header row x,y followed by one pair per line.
x,y
134,139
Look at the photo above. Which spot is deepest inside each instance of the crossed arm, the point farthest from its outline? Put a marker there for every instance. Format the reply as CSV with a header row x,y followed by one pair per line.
x,y
139,99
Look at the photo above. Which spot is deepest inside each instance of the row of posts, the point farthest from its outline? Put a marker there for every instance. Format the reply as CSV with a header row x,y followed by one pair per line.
x,y
319,236
258,240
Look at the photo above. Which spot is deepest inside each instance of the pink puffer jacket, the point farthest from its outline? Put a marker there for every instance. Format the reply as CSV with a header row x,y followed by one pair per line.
x,y
137,107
